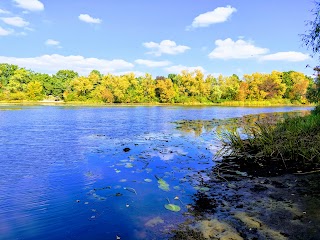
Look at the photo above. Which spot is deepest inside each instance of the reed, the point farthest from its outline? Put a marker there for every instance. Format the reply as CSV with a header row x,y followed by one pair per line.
x,y
293,143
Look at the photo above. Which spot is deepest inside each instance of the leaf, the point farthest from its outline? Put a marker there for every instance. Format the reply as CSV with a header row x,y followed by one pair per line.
x,y
163,185
172,207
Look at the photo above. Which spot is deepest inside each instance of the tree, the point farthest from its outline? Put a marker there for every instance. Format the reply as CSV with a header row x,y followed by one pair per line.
x,y
312,37
312,40
61,81
164,90
35,90
272,86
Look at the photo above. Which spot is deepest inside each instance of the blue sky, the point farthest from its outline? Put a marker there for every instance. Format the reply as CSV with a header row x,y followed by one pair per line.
x,y
157,37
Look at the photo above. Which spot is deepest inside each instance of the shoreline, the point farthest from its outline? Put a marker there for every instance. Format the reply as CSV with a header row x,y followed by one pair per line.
x,y
97,104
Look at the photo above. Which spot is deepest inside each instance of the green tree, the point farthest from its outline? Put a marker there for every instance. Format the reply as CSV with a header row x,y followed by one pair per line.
x,y
312,40
61,81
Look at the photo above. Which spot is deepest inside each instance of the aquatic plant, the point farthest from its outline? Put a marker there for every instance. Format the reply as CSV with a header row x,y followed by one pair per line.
x,y
291,145
172,207
162,184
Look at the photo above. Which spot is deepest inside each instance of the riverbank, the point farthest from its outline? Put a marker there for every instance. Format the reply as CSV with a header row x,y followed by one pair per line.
x,y
225,103
255,196
240,206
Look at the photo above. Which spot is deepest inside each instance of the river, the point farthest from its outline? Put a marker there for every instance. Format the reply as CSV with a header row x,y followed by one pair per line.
x,y
103,172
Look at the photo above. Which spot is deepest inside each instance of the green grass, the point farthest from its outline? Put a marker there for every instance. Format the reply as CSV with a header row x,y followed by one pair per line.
x,y
293,144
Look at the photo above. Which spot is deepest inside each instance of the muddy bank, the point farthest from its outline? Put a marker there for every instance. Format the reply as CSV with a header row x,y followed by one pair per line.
x,y
242,206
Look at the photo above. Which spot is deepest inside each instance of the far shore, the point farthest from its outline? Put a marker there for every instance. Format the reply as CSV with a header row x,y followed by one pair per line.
x,y
222,104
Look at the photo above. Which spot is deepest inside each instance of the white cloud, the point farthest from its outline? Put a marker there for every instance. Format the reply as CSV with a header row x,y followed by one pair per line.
x,y
165,47
178,68
240,49
53,63
5,32
286,56
4,11
88,19
150,63
15,21
136,73
31,5
218,15
51,42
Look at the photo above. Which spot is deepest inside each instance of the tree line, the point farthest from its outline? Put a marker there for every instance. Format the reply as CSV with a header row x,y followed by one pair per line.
x,y
187,87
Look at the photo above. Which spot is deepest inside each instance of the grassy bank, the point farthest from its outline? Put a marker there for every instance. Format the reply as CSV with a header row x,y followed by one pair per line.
x,y
292,145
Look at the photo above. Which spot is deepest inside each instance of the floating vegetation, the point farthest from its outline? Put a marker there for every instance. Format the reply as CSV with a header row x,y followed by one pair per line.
x,y
172,207
162,184
128,165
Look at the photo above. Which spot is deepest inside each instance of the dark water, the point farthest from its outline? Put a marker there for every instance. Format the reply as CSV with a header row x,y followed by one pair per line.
x,y
64,173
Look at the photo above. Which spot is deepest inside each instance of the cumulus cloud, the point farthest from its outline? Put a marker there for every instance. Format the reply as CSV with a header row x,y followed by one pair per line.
x,y
165,47
4,11
30,5
150,63
55,62
286,56
240,49
88,19
51,42
5,32
178,68
15,21
218,15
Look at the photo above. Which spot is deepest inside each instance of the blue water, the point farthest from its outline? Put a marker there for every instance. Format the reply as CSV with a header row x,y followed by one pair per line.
x,y
65,174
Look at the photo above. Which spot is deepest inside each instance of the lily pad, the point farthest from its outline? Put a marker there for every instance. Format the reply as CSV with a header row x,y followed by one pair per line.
x,y
172,207
163,185
128,165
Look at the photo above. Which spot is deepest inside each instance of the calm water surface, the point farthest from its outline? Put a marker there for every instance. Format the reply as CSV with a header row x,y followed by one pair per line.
x,y
65,174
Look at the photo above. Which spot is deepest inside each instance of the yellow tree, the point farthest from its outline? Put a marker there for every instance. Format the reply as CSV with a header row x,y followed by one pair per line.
x,y
272,86
242,92
165,91
35,90
253,81
81,86
148,86
299,87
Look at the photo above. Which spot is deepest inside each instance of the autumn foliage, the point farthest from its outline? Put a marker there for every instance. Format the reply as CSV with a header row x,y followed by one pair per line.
x,y
187,87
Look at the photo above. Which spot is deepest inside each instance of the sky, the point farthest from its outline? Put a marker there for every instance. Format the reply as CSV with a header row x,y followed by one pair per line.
x,y
157,37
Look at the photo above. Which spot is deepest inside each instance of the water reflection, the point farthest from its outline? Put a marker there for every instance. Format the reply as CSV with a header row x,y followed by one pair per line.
x,y
198,127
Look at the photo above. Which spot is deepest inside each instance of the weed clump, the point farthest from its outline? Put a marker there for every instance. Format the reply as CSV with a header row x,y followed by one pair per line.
x,y
288,146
